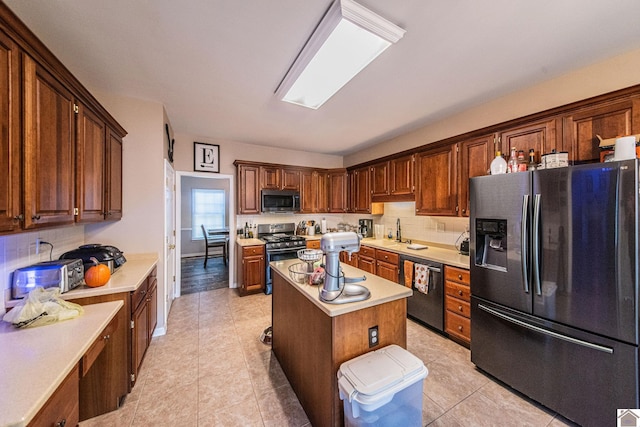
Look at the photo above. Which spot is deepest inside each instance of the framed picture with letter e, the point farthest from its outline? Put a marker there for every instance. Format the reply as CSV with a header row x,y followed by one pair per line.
x,y
206,157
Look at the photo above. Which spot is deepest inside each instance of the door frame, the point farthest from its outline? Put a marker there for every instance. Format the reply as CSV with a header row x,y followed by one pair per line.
x,y
232,222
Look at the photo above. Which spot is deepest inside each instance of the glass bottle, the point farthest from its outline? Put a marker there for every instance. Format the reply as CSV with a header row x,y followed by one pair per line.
x,y
498,165
512,165
532,160
522,162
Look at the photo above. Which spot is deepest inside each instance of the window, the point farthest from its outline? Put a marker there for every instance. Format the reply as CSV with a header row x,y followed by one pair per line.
x,y
208,208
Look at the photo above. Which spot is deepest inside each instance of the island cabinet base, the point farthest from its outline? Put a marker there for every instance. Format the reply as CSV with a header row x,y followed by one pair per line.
x,y
310,345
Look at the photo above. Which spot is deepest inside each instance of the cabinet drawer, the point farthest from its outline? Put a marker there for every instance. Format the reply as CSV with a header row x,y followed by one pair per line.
x,y
313,244
458,306
252,250
457,275
62,408
458,326
139,295
98,345
458,290
367,251
386,256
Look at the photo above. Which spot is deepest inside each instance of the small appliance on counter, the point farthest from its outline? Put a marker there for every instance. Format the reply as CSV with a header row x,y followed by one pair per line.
x,y
365,227
66,274
110,256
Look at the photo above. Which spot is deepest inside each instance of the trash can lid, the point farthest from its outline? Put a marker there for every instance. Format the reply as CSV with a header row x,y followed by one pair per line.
x,y
380,370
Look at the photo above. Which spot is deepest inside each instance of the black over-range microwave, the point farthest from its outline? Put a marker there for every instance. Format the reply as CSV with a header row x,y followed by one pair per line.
x,y
280,201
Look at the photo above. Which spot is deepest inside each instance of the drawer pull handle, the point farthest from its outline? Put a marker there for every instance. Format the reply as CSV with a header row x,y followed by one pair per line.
x,y
106,337
459,276
460,307
460,328
460,293
61,423
35,218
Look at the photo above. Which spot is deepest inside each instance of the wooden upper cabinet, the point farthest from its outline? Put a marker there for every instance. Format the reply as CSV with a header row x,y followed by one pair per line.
x,y
248,189
476,156
337,201
379,179
10,160
361,191
114,176
542,137
436,191
313,191
270,177
49,140
401,178
607,119
91,165
290,179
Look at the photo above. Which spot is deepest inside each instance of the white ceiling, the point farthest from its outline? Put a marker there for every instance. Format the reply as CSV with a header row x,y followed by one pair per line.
x,y
215,64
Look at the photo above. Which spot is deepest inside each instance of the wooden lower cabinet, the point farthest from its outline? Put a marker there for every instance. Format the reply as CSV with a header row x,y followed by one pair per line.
x,y
457,298
367,259
144,306
387,265
313,244
251,269
351,260
62,408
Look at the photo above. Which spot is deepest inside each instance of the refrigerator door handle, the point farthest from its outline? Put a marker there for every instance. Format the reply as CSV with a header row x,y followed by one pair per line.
x,y
544,331
525,242
536,243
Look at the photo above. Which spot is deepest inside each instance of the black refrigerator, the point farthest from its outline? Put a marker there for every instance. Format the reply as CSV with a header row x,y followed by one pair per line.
x,y
554,286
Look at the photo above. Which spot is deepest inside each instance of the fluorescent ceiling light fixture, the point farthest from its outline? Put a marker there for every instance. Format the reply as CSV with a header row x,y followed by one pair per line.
x,y
345,41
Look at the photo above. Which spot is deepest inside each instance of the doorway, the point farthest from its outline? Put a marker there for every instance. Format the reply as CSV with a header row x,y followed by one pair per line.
x,y
185,246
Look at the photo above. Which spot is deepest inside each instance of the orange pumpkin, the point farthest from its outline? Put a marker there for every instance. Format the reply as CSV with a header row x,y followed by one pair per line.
x,y
98,275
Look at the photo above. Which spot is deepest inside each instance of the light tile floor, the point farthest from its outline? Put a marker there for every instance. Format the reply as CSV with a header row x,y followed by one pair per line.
x,y
210,369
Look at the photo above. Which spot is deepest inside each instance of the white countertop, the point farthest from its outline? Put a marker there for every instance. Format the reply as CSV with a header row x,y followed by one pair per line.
x,y
249,242
434,252
382,290
35,361
126,279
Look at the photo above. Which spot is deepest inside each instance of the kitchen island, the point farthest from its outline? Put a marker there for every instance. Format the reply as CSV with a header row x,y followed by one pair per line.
x,y
311,339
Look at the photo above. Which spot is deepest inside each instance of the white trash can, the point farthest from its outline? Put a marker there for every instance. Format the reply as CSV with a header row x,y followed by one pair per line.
x,y
382,388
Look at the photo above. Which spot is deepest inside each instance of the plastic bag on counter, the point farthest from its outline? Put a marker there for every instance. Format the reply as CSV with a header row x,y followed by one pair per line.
x,y
42,307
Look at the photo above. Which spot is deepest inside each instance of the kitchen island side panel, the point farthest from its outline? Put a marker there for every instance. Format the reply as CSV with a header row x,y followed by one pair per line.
x,y
311,346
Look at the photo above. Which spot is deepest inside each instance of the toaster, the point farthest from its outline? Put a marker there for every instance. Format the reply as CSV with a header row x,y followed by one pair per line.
x,y
65,274
110,256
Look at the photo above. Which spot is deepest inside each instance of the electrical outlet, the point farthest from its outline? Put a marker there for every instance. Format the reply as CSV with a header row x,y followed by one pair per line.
x,y
374,339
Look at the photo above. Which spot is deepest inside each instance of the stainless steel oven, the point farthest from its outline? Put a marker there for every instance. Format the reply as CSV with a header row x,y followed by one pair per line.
x,y
280,244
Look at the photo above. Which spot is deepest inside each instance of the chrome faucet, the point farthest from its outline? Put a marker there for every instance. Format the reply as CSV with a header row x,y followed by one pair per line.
x,y
398,233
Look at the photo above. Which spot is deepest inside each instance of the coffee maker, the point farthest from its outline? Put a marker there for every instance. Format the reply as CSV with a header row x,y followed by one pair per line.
x,y
365,227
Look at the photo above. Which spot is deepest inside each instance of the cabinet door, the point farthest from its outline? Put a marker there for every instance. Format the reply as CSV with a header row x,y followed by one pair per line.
x,y
253,275
114,176
248,189
379,180
49,140
609,120
436,189
320,180
402,176
307,194
387,271
337,188
10,161
361,191
62,407
475,159
290,179
270,177
90,166
152,301
139,338
367,264
539,136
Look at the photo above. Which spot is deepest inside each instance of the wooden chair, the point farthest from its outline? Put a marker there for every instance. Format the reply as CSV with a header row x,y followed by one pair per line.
x,y
214,242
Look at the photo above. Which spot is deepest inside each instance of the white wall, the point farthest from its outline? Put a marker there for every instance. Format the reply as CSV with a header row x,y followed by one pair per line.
x,y
617,73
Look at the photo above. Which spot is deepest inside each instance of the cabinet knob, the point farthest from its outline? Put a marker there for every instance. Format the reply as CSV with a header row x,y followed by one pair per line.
x,y
460,293
106,337
460,307
61,423
18,217
459,276
35,217
460,328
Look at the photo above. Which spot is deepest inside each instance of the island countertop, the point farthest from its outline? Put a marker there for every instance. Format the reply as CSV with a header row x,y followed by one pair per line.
x,y
36,360
382,290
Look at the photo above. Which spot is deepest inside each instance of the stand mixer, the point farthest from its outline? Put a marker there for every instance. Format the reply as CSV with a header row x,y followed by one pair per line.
x,y
338,289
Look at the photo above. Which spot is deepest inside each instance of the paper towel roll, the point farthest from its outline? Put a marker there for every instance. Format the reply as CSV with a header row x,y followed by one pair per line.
x,y
625,148
323,226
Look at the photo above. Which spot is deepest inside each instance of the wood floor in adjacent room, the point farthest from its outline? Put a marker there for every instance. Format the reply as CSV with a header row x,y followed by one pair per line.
x,y
195,278
211,369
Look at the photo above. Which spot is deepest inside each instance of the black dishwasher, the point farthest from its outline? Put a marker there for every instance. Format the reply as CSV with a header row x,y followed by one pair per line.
x,y
426,307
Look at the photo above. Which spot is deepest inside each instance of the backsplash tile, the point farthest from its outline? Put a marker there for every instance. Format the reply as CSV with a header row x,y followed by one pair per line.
x,y
19,250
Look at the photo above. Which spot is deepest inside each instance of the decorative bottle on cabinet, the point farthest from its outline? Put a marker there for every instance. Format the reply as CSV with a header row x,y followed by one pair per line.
x,y
498,165
512,165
